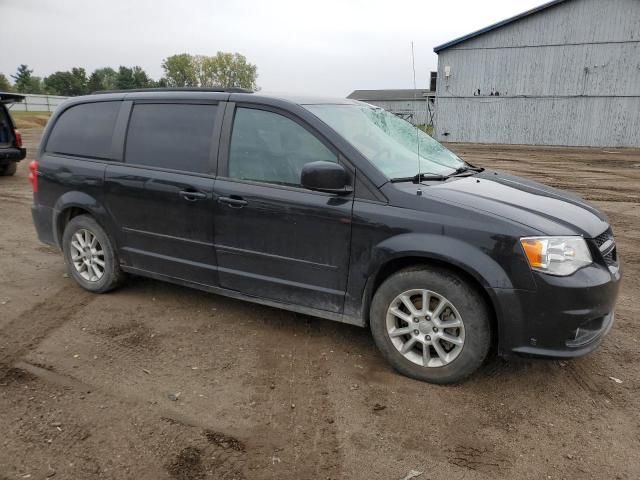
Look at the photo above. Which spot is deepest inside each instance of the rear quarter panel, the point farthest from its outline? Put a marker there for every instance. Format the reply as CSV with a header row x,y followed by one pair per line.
x,y
65,182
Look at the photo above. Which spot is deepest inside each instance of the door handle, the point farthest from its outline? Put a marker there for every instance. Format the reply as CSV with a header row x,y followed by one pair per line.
x,y
192,195
233,201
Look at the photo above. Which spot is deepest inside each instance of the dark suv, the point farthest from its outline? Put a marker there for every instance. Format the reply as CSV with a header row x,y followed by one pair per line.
x,y
332,208
11,150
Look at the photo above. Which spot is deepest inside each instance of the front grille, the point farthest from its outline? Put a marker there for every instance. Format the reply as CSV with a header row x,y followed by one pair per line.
x,y
607,246
611,258
603,237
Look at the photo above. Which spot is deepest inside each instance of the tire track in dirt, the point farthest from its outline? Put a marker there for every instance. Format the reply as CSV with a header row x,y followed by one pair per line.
x,y
482,459
301,414
597,385
211,453
19,197
195,451
314,429
28,329
583,380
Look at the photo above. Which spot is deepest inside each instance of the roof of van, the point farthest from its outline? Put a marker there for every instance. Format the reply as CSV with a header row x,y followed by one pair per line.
x,y
308,99
220,94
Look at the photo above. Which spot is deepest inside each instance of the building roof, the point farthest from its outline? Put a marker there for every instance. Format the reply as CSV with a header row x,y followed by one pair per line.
x,y
495,26
389,95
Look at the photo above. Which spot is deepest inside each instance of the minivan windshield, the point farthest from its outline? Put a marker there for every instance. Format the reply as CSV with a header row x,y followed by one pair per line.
x,y
389,142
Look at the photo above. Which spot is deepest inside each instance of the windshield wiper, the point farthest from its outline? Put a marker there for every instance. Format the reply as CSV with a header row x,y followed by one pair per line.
x,y
467,168
420,177
437,177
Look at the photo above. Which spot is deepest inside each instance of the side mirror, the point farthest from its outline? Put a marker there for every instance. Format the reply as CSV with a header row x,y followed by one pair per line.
x,y
327,177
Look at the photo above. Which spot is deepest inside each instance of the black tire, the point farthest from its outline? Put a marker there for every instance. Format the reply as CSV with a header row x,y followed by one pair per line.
x,y
468,302
113,276
9,169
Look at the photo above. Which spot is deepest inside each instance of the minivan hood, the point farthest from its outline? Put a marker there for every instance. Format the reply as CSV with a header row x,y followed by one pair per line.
x,y
548,210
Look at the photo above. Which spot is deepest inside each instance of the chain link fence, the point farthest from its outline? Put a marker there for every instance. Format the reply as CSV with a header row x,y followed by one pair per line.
x,y
37,103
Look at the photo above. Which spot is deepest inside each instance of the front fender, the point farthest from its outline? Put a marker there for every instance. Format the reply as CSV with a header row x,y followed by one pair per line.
x,y
510,274
480,263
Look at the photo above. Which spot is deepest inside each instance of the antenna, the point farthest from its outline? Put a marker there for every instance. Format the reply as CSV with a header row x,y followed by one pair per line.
x,y
415,115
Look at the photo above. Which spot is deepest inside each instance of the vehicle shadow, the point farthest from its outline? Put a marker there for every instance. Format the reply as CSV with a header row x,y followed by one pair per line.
x,y
349,337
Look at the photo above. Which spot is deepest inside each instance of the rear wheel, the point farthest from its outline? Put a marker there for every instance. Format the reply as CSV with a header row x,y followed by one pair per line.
x,y
9,169
431,324
90,255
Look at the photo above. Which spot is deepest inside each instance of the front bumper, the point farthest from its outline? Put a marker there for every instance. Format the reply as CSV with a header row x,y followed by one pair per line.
x,y
564,317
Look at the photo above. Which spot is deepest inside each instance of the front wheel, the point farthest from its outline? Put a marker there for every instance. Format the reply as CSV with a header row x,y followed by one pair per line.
x,y
90,255
431,324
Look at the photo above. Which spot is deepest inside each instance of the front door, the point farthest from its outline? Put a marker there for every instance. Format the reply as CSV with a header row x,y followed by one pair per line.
x,y
161,197
275,239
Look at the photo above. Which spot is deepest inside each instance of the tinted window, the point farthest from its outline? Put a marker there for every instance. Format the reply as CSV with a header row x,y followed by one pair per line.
x,y
85,130
172,136
269,147
6,134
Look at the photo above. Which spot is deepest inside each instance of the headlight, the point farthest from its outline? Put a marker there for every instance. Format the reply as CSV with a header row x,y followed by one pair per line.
x,y
556,255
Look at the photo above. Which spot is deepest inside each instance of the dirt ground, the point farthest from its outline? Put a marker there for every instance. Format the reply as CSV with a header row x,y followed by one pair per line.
x,y
157,381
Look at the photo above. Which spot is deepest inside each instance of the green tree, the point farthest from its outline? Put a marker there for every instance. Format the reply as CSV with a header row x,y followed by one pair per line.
x,y
59,83
24,82
222,70
69,84
226,70
80,81
125,79
22,78
36,85
140,78
5,84
102,79
180,70
161,83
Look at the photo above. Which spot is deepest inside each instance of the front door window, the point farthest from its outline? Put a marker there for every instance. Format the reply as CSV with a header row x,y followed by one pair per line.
x,y
269,147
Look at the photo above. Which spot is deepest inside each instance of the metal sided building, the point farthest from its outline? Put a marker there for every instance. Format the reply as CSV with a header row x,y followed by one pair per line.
x,y
564,73
415,106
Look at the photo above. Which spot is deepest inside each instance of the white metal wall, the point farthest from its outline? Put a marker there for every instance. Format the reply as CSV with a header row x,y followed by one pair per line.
x,y
37,103
569,75
406,108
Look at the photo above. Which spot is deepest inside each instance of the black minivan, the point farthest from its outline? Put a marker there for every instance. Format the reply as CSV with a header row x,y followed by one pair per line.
x,y
328,207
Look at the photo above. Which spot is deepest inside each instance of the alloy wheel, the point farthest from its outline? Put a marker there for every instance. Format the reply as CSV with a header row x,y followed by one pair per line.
x,y
425,328
87,255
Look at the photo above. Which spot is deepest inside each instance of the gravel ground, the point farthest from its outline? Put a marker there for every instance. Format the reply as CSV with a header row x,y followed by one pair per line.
x,y
157,381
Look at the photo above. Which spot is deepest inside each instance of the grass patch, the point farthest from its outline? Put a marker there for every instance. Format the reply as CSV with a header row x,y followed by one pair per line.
x,y
428,129
30,119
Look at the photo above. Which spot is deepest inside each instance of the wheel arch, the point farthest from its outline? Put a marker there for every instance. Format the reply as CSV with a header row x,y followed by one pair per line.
x,y
72,204
394,265
463,259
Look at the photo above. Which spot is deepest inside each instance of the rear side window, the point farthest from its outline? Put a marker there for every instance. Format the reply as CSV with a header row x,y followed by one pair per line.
x,y
175,136
85,130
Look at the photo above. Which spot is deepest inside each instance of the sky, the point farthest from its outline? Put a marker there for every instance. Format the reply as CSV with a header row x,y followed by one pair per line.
x,y
326,47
